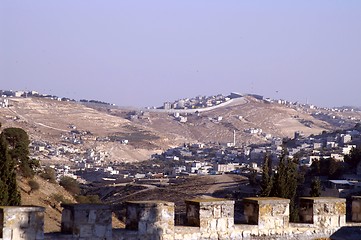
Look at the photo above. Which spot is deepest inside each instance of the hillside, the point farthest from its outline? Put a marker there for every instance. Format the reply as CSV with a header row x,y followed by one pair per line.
x,y
51,121
47,196
274,119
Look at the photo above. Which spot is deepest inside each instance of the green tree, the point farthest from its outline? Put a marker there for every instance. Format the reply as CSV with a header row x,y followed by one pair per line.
x,y
266,182
353,158
327,167
315,187
18,141
253,178
285,183
9,193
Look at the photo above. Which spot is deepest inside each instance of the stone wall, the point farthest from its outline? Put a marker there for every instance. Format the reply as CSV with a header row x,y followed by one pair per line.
x,y
211,218
21,223
87,221
267,212
151,219
323,212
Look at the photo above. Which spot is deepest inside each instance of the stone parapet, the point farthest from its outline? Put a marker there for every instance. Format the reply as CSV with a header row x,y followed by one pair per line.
x,y
87,221
210,214
268,213
21,223
151,219
323,212
210,219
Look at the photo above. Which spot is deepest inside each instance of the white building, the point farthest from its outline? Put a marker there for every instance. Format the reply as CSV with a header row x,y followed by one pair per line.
x,y
4,103
223,167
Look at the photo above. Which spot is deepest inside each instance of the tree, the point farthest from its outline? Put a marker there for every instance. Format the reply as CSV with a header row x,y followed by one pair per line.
x,y
285,183
335,169
9,193
315,187
353,158
266,182
18,142
327,167
253,178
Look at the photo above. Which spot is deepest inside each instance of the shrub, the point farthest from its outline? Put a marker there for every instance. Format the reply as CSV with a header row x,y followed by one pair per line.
x,y
34,186
88,199
60,198
70,184
49,174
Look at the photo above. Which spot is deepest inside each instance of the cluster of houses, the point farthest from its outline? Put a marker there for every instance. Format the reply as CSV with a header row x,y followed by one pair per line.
x,y
323,113
197,102
25,94
11,93
193,159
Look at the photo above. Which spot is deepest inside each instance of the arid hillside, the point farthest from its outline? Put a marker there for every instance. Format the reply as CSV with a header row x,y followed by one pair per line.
x,y
104,127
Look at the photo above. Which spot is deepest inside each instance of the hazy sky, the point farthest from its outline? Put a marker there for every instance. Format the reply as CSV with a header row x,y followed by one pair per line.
x,y
145,52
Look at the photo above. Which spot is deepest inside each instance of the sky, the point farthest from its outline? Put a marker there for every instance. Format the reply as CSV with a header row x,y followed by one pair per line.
x,y
143,53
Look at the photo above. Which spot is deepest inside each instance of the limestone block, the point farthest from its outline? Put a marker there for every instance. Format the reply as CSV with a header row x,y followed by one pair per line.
x,y
222,224
267,212
235,234
87,221
151,218
190,236
213,223
22,222
205,213
246,234
324,212
217,211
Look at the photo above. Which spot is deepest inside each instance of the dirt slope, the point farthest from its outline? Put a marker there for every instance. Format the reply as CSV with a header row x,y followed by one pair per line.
x,y
47,196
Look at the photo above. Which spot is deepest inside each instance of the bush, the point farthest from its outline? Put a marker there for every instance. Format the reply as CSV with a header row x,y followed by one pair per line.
x,y
34,186
88,199
70,184
49,174
60,198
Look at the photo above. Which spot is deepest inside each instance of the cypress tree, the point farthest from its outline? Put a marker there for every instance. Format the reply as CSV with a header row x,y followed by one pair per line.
x,y
280,185
285,183
9,193
315,187
266,182
4,171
